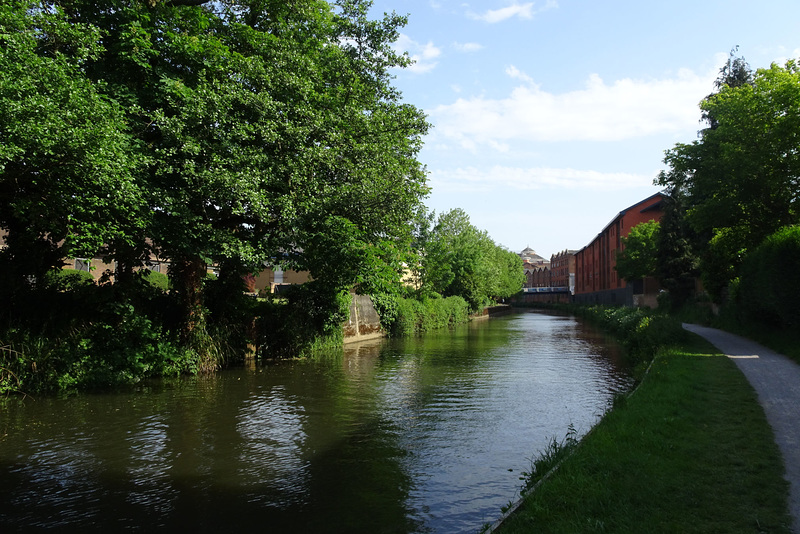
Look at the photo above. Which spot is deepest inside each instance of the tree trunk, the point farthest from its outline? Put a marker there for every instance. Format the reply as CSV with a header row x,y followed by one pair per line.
x,y
187,278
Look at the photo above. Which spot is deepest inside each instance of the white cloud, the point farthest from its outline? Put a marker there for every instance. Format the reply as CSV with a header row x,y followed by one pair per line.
x,y
514,72
423,55
467,47
624,109
523,11
780,55
498,177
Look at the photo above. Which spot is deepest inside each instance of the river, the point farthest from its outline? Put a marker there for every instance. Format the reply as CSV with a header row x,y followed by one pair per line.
x,y
426,434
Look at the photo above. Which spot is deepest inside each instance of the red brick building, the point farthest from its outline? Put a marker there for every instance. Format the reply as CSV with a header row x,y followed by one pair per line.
x,y
562,269
596,279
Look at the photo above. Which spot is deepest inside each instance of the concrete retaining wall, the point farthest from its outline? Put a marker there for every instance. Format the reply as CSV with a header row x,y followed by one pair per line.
x,y
364,322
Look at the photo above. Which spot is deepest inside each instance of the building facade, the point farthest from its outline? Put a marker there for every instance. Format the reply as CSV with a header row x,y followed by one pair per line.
x,y
562,269
596,279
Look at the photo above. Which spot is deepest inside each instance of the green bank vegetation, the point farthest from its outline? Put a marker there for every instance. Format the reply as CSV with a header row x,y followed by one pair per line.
x,y
235,134
689,451
731,217
232,134
455,270
731,209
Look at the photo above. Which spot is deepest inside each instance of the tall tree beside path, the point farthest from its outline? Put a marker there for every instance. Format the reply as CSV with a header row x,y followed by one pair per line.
x,y
741,179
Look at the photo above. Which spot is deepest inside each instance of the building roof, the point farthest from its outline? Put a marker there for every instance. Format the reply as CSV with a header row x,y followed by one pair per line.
x,y
659,201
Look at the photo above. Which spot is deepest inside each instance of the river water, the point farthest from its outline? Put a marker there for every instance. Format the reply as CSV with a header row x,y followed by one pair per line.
x,y
427,434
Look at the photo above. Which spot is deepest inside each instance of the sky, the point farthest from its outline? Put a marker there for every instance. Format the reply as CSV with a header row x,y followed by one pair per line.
x,y
550,117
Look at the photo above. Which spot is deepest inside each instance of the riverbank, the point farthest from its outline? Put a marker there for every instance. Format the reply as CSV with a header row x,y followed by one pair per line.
x,y
689,451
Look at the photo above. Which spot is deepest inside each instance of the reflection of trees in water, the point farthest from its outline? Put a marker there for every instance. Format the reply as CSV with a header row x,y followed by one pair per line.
x,y
378,436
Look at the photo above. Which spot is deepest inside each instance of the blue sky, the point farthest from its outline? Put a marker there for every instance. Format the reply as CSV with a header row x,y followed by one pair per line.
x,y
550,117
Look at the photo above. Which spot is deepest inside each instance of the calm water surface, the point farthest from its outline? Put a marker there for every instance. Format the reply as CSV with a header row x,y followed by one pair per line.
x,y
412,435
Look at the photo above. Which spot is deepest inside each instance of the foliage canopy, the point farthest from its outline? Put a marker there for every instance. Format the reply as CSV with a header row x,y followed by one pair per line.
x,y
238,133
740,180
638,256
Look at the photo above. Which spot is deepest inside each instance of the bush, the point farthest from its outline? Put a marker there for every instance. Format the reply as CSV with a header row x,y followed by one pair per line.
x,y
641,332
68,279
415,316
310,317
770,281
158,280
122,348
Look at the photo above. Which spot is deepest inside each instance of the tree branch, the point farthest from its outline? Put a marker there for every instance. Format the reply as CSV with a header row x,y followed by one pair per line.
x,y
183,2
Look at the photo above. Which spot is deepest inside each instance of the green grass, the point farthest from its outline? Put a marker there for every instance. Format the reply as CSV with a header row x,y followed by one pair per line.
x,y
689,451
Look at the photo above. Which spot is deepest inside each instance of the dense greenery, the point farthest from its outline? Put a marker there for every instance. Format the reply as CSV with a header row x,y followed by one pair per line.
x,y
414,316
739,182
638,256
454,258
236,133
769,285
676,261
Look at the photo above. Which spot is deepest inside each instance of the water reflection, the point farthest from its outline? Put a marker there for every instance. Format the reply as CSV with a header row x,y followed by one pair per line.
x,y
411,435
271,454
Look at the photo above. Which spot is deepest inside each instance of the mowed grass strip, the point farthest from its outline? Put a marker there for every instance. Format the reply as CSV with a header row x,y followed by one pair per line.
x,y
690,451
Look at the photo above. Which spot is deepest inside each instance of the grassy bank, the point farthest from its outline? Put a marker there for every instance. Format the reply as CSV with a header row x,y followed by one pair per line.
x,y
689,451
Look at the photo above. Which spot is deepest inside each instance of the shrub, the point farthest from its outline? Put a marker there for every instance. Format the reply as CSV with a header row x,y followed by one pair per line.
x,y
68,279
770,281
310,316
641,332
414,316
157,280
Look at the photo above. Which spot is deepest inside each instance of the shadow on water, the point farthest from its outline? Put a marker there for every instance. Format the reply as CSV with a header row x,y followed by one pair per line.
x,y
409,435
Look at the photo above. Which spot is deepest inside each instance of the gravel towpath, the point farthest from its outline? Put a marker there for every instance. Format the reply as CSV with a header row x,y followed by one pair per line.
x,y
776,379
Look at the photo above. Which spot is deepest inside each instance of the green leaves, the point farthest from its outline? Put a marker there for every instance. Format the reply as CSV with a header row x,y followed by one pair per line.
x,y
741,179
638,257
457,259
67,166
240,132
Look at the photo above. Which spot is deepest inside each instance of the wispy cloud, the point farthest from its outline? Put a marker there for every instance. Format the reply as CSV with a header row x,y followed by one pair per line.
x,y
600,111
467,47
523,11
514,72
423,55
498,177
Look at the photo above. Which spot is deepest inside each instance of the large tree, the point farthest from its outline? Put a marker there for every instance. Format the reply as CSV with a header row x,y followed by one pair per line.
x,y
262,131
741,178
676,260
68,166
461,260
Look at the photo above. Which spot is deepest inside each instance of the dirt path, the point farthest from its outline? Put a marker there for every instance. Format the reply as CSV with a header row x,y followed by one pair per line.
x,y
776,379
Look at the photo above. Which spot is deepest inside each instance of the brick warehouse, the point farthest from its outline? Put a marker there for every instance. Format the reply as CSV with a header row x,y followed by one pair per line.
x,y
596,280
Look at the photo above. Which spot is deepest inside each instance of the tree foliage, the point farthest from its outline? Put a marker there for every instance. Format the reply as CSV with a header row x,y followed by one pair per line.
x,y
770,281
676,260
637,258
740,178
458,259
67,164
238,133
